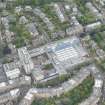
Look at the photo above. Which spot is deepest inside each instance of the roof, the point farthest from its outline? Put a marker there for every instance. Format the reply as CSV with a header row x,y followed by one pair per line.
x,y
98,83
25,59
2,84
68,50
62,46
13,73
14,92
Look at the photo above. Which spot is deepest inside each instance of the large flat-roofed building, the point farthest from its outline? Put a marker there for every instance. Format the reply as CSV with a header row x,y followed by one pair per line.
x,y
68,52
65,51
25,59
12,70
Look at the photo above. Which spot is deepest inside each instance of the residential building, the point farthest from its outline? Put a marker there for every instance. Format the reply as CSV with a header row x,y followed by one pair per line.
x,y
25,60
59,13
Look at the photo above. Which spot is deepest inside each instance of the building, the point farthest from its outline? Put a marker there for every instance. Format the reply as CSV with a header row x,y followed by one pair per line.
x,y
92,26
15,83
28,8
12,95
55,91
12,70
25,59
97,88
59,13
67,53
21,81
63,54
5,22
18,10
2,5
76,28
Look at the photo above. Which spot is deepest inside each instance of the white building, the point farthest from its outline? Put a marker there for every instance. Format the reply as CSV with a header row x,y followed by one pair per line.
x,y
92,26
18,10
68,53
12,70
25,59
59,13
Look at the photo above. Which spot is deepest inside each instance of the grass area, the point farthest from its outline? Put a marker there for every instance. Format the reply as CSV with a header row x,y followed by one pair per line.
x,y
48,67
73,97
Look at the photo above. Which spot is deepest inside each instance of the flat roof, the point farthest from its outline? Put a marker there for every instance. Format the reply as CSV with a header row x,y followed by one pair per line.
x,y
68,49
